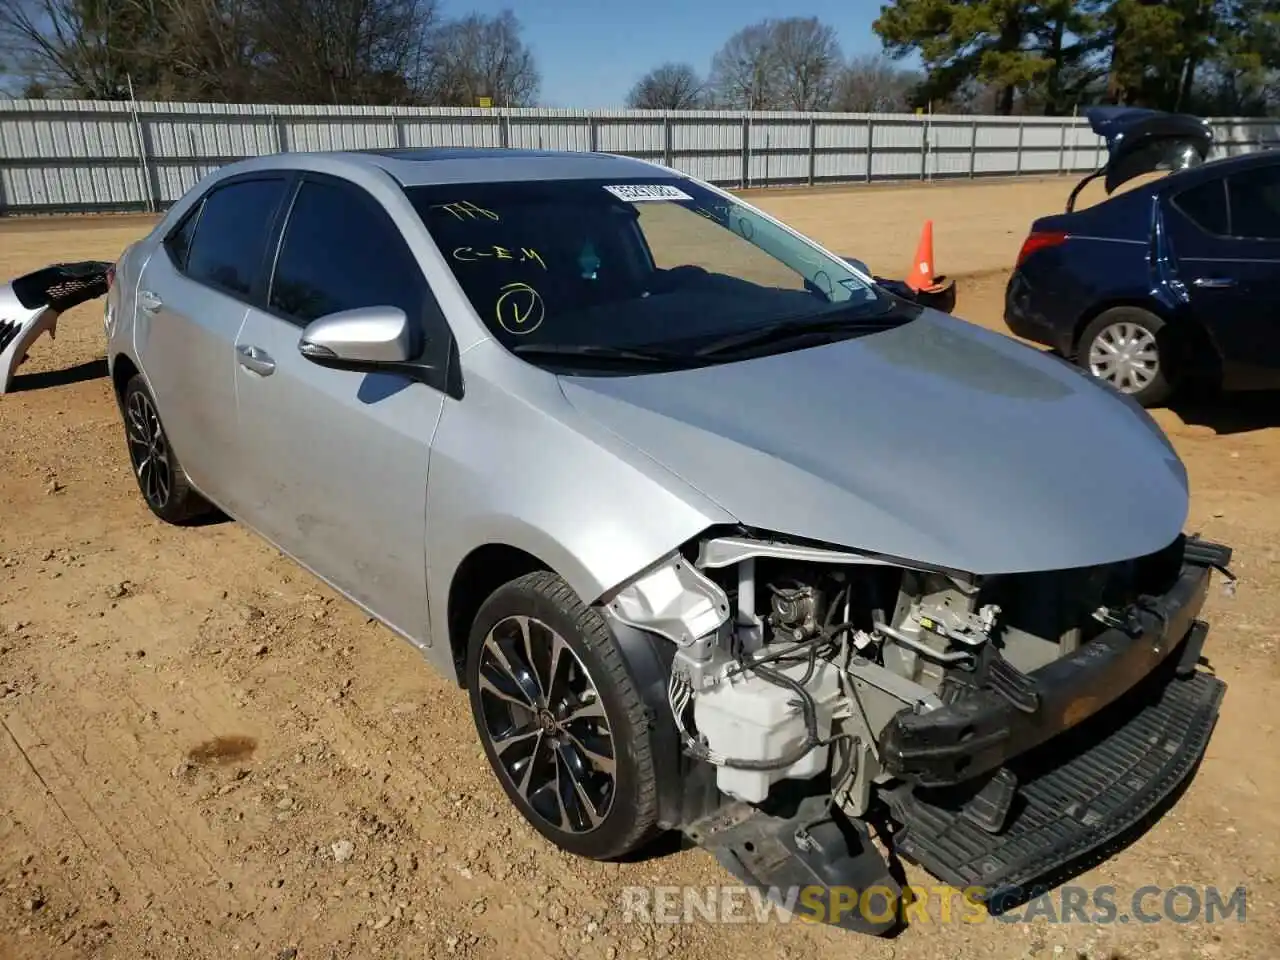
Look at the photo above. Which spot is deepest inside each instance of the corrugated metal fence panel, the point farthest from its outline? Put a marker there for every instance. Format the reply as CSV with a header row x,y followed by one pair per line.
x,y
74,155
338,133
450,132
71,188
195,139
174,178
640,137
551,134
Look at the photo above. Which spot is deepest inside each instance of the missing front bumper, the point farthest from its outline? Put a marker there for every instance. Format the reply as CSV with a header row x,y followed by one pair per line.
x,y
980,732
1078,797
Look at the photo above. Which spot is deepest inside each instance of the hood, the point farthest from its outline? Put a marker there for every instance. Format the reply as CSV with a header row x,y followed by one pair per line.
x,y
937,442
1141,141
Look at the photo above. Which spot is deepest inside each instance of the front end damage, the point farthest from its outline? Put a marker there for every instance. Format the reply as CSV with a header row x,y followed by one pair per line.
x,y
997,731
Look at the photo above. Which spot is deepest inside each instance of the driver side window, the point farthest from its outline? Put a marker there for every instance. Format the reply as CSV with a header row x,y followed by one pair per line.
x,y
341,251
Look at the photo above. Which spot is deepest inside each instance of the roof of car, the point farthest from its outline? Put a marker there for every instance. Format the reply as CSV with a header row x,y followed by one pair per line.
x,y
428,165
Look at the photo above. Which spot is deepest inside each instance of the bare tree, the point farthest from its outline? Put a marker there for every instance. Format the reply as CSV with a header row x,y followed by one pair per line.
x,y
744,72
788,64
483,56
807,60
874,84
342,51
71,46
291,51
672,86
209,51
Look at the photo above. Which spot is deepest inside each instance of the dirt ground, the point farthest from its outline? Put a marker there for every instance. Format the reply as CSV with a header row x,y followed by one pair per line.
x,y
206,753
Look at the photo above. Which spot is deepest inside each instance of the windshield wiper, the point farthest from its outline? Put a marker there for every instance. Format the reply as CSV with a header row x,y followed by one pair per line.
x,y
842,322
600,351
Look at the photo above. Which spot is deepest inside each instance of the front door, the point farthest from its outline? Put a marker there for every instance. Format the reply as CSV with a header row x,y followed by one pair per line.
x,y
191,301
337,460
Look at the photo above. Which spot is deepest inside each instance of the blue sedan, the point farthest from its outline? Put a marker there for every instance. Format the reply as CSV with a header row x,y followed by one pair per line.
x,y
1174,280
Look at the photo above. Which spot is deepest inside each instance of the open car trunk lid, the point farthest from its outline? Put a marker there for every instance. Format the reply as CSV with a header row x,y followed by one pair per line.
x,y
1142,141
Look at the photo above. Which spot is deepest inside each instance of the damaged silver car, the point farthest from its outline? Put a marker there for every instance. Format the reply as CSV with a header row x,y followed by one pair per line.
x,y
721,535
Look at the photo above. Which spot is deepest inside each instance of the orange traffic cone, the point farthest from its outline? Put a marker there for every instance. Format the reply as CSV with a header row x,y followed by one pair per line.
x,y
934,289
921,275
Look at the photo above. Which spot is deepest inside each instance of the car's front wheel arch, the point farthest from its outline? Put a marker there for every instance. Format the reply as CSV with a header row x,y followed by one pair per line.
x,y
563,718
481,572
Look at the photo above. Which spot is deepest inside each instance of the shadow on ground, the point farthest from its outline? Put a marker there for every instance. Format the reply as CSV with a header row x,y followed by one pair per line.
x,y
81,372
1230,413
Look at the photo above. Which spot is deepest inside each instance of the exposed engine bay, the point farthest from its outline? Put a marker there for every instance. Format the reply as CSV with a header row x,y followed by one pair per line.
x,y
869,679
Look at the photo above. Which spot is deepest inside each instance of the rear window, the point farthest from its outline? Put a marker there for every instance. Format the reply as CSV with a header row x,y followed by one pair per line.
x,y
1255,203
231,234
1205,205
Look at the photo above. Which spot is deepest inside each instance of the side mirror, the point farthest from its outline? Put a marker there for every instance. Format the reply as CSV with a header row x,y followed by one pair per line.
x,y
362,339
857,265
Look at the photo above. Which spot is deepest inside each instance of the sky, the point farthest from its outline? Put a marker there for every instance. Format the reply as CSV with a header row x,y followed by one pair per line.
x,y
590,52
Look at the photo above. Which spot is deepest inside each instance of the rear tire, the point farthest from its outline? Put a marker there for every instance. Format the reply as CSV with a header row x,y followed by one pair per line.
x,y
1122,346
560,719
161,480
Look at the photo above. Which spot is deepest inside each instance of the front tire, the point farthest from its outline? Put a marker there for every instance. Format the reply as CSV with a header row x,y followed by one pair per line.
x,y
161,480
1122,346
560,718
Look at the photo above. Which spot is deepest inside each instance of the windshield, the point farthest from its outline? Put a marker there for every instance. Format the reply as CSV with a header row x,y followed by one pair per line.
x,y
659,264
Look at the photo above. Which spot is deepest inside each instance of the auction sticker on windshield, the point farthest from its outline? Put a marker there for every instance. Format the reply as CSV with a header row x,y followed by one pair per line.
x,y
636,192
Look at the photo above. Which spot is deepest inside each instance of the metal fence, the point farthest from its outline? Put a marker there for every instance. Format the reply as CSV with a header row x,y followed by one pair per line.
x,y
75,156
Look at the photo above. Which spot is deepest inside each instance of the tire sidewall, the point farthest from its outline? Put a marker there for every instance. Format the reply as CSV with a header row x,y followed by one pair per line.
x,y
613,837
178,507
1160,387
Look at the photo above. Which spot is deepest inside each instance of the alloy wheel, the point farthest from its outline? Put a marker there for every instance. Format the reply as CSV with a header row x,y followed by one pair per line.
x,y
546,724
1125,354
148,449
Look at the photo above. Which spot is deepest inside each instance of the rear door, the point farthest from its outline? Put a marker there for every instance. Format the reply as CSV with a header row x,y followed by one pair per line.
x,y
1226,235
192,298
336,461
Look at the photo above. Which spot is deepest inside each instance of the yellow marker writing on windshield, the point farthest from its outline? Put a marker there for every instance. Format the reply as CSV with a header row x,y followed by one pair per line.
x,y
519,309
466,210
471,255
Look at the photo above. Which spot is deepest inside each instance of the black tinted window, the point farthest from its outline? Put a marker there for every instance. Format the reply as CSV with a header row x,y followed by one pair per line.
x,y
179,242
1206,205
341,252
1255,203
231,234
572,263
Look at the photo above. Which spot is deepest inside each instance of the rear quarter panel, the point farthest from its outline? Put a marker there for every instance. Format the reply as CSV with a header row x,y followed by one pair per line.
x,y
122,300
1104,262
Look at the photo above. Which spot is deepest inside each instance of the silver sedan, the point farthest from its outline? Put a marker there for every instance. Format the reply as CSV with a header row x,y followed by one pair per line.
x,y
699,513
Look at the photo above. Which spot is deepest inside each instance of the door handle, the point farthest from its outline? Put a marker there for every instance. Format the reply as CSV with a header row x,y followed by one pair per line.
x,y
1213,283
148,301
256,360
